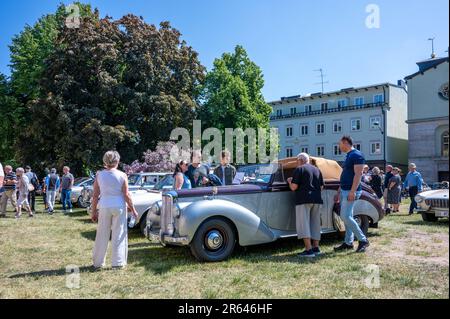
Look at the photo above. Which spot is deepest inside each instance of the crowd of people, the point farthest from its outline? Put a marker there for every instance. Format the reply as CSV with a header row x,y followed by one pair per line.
x,y
389,185
111,199
20,188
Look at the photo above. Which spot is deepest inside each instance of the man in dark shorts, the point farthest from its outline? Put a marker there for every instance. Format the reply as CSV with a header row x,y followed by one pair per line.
x,y
307,183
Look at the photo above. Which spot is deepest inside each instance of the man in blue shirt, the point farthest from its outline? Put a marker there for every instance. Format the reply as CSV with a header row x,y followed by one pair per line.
x,y
349,192
413,183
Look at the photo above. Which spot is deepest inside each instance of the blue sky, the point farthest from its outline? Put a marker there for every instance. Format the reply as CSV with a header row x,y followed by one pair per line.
x,y
288,39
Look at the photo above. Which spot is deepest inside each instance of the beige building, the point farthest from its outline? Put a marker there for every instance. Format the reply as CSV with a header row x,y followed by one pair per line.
x,y
374,115
428,121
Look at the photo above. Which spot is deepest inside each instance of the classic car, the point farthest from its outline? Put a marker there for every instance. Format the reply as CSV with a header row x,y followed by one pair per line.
x,y
433,204
142,198
144,180
261,209
76,195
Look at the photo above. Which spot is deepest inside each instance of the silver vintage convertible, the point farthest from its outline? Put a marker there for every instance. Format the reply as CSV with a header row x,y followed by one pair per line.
x,y
261,209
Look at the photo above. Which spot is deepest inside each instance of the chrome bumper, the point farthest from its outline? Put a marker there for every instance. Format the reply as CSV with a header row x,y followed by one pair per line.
x,y
164,239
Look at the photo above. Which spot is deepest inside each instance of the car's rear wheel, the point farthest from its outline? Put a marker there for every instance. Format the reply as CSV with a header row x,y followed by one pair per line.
x,y
214,241
429,217
363,223
143,223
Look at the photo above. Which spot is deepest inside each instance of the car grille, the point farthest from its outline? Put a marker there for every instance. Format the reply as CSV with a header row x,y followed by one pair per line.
x,y
437,203
167,220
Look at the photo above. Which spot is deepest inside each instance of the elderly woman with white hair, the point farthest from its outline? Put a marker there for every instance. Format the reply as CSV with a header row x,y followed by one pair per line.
x,y
110,201
23,186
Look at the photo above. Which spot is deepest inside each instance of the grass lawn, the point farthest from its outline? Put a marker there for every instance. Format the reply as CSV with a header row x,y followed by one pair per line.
x,y
412,258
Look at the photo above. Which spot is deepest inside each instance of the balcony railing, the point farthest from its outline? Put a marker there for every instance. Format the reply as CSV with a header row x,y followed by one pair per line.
x,y
327,111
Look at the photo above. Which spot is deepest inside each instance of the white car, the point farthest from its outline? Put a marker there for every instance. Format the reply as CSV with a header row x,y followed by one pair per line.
x,y
76,194
433,204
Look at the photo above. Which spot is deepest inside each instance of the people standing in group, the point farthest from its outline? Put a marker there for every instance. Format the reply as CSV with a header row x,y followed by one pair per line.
x,y
414,184
387,177
376,182
349,192
66,189
394,190
34,181
197,171
110,203
225,171
52,182
23,188
9,186
181,181
307,183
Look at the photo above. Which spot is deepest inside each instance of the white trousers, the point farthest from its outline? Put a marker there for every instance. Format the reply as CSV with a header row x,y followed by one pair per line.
x,y
51,196
111,222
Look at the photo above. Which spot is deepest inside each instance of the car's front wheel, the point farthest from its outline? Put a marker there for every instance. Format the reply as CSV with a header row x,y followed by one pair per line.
x,y
81,203
214,240
429,217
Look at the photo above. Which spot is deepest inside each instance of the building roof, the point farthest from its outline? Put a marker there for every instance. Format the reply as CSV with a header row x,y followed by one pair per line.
x,y
296,98
426,65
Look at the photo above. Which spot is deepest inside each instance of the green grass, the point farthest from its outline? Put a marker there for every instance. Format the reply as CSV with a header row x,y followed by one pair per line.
x,y
412,257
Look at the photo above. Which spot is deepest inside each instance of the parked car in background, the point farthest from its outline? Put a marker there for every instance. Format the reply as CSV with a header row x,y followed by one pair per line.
x,y
439,185
212,220
143,199
144,180
76,196
433,204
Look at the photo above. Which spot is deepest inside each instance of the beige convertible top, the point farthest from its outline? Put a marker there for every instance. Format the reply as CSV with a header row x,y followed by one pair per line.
x,y
330,169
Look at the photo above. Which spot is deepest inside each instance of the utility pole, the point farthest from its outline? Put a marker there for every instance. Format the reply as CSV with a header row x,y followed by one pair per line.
x,y
322,76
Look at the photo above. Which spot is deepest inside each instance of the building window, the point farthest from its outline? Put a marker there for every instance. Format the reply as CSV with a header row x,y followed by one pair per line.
x,y
279,113
445,144
289,131
289,152
357,146
337,126
293,110
324,107
355,125
320,149
342,103
359,101
375,148
308,108
373,120
303,129
337,150
320,128
304,149
378,99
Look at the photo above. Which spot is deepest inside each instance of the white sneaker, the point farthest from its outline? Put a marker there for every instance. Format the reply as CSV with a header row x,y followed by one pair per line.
x,y
70,211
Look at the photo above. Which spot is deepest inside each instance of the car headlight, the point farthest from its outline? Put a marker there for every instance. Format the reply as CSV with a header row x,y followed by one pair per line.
x,y
155,210
176,211
419,199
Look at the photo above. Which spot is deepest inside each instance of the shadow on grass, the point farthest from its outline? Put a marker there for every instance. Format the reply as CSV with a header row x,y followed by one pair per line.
x,y
52,272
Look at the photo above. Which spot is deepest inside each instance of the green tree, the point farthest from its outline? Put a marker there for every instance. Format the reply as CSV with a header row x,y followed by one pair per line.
x,y
10,115
109,84
232,96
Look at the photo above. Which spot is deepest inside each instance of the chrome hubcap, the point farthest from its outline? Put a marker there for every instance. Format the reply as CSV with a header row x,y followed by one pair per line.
x,y
214,240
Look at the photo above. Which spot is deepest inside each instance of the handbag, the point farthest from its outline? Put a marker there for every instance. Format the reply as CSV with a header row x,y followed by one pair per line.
x,y
30,187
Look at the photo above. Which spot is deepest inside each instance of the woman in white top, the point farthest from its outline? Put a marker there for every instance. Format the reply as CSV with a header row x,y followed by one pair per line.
x,y
109,208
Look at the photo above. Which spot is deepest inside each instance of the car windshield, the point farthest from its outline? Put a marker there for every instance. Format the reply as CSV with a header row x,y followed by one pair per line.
x,y
80,180
258,174
133,179
165,181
